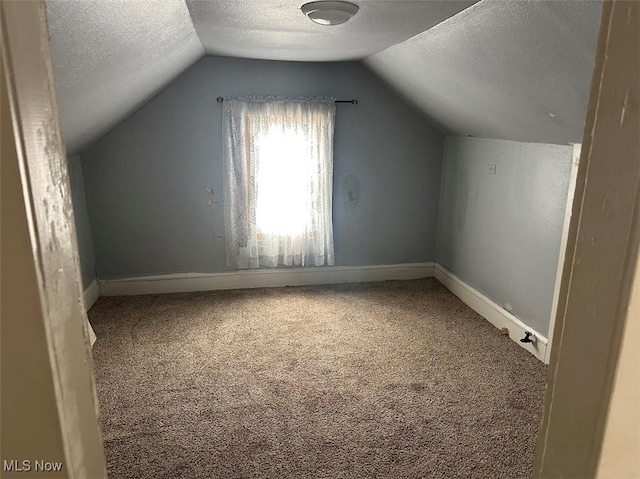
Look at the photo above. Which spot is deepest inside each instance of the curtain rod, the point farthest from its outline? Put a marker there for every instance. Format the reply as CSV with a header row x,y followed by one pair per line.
x,y
353,102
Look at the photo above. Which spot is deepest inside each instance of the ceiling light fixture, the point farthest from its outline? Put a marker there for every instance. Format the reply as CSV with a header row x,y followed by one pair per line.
x,y
329,13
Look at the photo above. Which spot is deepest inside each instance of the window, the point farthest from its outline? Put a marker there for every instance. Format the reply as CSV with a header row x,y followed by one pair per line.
x,y
278,182
284,167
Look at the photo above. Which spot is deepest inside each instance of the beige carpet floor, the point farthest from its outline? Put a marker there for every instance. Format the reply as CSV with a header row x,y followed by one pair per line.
x,y
380,380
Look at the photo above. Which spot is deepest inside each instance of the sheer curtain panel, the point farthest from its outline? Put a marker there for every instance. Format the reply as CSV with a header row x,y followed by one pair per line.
x,y
278,181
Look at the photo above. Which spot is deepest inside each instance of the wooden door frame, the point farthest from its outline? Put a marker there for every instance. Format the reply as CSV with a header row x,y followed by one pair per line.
x,y
48,216
600,261
564,239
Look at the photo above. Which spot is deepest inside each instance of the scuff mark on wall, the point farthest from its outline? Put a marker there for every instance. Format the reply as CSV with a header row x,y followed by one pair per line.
x,y
351,192
213,201
212,197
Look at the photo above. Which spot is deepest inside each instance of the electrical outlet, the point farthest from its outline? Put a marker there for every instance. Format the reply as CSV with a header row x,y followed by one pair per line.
x,y
492,169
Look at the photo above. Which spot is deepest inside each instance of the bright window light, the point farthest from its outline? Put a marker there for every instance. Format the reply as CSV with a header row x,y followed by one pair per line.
x,y
284,168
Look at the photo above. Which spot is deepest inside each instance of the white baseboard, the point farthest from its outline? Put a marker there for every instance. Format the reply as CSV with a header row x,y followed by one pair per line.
x,y
271,278
492,312
91,294
263,278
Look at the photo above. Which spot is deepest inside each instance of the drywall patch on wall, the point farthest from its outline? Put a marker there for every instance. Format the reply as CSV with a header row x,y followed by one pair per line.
x,y
149,181
500,233
515,70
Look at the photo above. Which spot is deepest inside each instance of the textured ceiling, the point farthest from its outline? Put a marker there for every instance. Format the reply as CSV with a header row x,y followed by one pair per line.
x,y
111,56
512,69
517,70
278,30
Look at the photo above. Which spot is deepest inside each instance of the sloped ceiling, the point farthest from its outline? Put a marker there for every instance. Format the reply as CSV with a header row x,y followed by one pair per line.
x,y
109,56
516,70
512,69
278,30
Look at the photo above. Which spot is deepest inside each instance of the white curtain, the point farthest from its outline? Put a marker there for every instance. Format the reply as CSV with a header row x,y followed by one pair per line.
x,y
278,181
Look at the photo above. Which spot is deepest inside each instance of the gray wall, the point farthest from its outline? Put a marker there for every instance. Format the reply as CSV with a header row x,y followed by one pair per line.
x,y
83,228
146,181
501,233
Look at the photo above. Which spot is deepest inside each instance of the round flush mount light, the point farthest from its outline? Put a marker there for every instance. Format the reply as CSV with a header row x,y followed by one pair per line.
x,y
329,13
